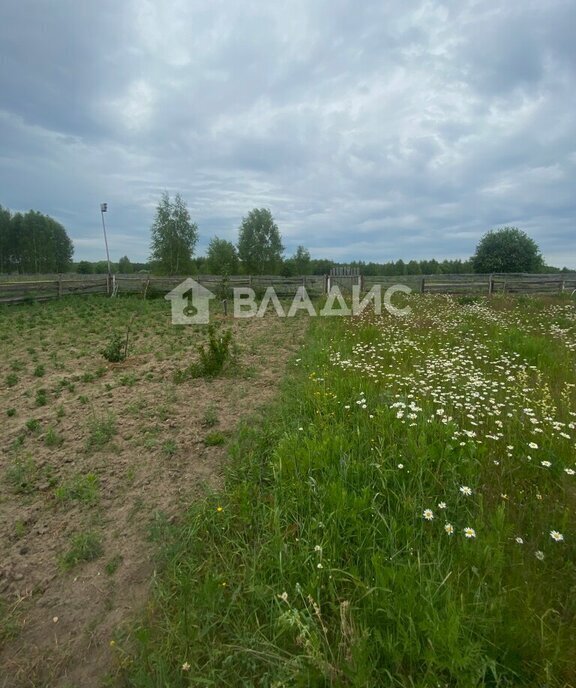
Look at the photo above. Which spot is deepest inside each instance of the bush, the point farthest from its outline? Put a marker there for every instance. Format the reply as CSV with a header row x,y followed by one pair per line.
x,y
215,355
115,350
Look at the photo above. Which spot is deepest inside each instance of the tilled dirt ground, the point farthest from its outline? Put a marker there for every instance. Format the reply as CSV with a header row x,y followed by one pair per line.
x,y
94,457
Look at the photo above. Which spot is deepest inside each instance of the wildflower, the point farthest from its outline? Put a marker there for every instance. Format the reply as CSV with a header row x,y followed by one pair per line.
x,y
539,555
317,548
185,667
219,508
400,466
319,565
465,490
449,528
569,471
555,535
441,505
284,596
469,532
546,464
428,514
519,540
533,445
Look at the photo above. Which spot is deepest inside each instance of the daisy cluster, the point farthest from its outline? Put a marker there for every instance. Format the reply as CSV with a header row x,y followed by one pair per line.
x,y
454,366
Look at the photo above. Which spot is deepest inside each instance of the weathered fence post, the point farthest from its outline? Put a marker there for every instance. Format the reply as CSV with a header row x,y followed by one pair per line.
x,y
490,285
422,285
59,286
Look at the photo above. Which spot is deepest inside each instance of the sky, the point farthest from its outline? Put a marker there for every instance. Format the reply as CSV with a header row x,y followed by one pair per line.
x,y
373,130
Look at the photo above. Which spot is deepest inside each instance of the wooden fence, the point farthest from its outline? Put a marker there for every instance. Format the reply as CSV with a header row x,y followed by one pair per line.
x,y
18,288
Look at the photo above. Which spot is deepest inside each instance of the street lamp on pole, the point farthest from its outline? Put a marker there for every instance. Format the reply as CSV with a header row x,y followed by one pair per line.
x,y
103,209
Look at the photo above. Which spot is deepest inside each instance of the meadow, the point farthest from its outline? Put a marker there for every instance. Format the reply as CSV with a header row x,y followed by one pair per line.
x,y
98,455
402,516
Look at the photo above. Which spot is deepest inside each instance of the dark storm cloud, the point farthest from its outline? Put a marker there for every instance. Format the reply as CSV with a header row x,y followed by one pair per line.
x,y
372,130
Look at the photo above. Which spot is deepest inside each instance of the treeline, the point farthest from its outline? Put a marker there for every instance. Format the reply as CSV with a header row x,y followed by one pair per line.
x,y
299,266
33,243
100,267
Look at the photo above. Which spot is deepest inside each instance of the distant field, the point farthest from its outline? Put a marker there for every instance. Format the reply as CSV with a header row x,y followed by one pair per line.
x,y
404,516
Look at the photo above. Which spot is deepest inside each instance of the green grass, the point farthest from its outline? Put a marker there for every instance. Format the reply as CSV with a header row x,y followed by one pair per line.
x,y
53,439
82,488
337,553
114,564
9,621
101,430
214,439
169,448
84,546
22,475
11,379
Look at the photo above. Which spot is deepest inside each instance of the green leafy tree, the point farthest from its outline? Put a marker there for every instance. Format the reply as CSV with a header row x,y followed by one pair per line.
x,y
507,250
321,266
33,243
5,234
302,261
259,243
174,237
84,267
125,267
298,264
413,268
222,257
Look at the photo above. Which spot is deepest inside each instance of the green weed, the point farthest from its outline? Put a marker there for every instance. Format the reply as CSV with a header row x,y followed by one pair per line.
x,y
101,430
85,546
82,488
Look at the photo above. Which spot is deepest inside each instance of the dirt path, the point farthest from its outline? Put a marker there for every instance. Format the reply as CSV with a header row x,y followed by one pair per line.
x,y
116,451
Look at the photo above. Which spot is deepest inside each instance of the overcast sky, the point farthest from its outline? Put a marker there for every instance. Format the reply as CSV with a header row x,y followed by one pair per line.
x,y
373,130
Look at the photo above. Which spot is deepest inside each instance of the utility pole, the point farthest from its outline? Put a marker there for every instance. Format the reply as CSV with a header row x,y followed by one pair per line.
x,y
104,209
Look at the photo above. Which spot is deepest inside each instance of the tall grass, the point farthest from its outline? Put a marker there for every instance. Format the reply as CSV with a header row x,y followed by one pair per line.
x,y
403,517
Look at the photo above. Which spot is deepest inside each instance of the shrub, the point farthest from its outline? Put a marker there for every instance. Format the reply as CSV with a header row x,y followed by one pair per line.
x,y
116,349
215,355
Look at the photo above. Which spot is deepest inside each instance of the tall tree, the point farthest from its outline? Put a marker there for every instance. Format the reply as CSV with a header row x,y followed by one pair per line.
x,y
5,236
174,237
507,250
302,261
125,267
259,243
33,243
222,257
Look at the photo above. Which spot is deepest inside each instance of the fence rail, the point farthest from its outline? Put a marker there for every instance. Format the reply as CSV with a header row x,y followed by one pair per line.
x,y
19,288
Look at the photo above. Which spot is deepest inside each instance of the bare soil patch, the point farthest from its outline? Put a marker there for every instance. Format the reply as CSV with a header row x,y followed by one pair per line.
x,y
95,457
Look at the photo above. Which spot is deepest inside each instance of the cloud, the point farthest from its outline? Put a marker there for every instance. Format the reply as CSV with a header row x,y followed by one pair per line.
x,y
372,130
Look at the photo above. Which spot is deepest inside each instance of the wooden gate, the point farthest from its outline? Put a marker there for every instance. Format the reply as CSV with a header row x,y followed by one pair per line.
x,y
344,277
